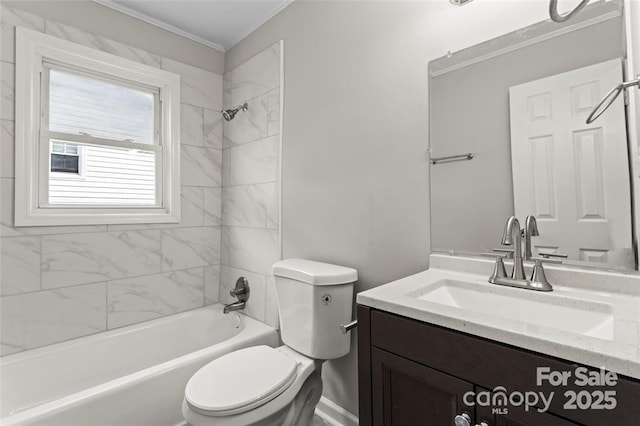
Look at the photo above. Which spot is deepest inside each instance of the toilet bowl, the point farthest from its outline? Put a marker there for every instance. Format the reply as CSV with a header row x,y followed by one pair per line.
x,y
261,385
273,388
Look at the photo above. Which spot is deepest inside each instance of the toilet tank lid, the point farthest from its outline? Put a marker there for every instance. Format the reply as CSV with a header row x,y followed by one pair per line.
x,y
315,273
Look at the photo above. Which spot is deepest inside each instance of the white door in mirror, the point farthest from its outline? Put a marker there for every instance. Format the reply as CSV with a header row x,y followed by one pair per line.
x,y
573,177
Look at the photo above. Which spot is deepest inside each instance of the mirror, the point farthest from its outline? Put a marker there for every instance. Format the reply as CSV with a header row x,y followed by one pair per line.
x,y
511,112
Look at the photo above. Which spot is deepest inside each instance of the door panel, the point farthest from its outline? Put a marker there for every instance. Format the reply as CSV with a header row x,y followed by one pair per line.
x,y
406,393
573,176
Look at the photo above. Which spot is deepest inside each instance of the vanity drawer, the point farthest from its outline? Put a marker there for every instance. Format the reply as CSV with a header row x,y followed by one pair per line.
x,y
490,364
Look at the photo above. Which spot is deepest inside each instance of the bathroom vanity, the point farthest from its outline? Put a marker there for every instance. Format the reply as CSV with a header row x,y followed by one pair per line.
x,y
445,347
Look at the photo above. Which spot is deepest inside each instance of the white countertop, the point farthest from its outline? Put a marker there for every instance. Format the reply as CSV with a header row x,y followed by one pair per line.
x,y
620,353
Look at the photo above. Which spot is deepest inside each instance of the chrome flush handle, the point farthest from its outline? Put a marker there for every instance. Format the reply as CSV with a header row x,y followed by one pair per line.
x,y
345,328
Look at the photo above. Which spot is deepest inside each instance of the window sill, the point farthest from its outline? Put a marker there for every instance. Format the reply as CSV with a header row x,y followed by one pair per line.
x,y
70,217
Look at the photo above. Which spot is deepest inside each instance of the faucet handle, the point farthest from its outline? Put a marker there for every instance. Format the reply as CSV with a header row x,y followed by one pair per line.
x,y
506,253
241,290
540,260
498,267
497,255
538,278
548,256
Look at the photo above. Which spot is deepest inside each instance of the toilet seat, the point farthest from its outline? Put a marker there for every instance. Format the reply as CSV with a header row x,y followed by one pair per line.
x,y
252,377
274,411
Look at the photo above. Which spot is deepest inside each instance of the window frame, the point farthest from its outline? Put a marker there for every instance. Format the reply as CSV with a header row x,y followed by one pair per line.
x,y
47,135
35,52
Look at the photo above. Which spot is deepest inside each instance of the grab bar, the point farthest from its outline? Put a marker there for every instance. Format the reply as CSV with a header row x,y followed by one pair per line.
x,y
450,158
557,17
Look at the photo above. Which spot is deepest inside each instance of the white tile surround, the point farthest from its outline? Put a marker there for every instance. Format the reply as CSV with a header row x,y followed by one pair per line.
x,y
58,283
250,242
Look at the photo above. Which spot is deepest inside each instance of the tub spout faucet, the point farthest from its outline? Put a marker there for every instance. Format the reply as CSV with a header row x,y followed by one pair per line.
x,y
241,292
235,306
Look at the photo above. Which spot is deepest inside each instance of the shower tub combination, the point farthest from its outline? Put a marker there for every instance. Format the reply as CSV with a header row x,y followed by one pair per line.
x,y
134,375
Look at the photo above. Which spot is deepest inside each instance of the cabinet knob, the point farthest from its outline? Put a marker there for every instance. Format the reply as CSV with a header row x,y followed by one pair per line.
x,y
483,424
462,420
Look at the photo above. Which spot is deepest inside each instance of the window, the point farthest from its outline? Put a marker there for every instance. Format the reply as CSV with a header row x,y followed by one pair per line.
x,y
96,136
65,158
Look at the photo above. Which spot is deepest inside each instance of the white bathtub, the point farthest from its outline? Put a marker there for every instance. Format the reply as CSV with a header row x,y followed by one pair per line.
x,y
134,375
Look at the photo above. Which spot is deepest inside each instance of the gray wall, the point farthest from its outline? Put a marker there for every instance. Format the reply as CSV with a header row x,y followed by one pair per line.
x,y
103,21
470,113
354,172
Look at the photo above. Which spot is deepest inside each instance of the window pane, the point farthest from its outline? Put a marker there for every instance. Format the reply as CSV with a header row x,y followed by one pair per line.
x,y
57,147
104,110
110,176
64,163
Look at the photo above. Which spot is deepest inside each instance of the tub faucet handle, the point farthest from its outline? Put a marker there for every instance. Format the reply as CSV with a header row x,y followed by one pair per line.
x,y
241,290
235,293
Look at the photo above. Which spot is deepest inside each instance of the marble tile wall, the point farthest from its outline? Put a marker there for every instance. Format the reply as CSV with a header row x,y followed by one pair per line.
x,y
250,240
58,283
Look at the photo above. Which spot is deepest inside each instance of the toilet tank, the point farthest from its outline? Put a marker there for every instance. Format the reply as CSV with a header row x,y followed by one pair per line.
x,y
314,299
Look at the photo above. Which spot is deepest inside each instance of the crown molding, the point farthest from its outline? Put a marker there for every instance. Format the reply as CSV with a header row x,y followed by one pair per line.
x,y
155,22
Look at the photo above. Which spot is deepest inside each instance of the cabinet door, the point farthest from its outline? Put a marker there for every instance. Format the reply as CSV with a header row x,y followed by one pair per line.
x,y
406,393
519,417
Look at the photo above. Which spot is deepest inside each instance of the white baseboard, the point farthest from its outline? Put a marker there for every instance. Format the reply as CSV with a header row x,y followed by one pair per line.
x,y
335,414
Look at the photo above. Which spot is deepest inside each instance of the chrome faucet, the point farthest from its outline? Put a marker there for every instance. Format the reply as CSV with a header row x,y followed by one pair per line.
x,y
513,236
235,306
241,291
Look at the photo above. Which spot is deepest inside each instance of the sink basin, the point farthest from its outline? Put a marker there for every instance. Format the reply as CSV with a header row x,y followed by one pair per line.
x,y
544,310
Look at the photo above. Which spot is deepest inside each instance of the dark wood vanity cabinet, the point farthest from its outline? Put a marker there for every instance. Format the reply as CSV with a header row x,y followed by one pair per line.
x,y
405,392
408,393
417,374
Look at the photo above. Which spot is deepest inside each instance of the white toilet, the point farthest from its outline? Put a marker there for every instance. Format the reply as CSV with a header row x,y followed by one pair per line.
x,y
280,386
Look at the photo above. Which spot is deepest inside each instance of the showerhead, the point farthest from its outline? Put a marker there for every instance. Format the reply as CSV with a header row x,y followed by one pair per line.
x,y
228,114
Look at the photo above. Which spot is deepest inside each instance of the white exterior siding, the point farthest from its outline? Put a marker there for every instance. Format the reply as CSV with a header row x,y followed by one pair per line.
x,y
107,176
